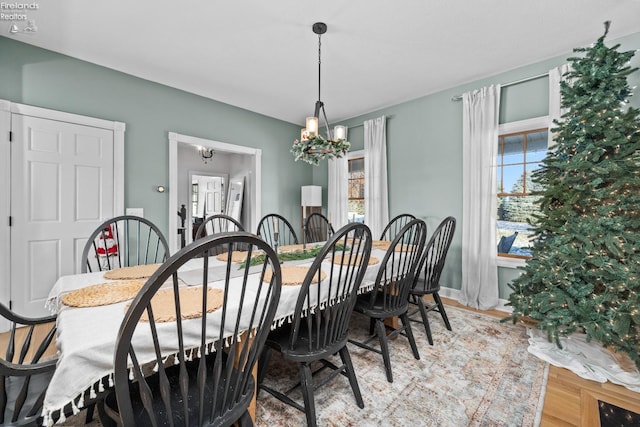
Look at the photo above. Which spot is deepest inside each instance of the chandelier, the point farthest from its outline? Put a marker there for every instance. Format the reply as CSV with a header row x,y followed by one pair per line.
x,y
312,147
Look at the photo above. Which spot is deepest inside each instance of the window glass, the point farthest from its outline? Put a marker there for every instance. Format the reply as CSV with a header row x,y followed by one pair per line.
x,y
356,189
519,155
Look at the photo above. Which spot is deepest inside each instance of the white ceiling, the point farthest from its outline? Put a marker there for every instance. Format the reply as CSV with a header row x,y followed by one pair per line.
x,y
262,55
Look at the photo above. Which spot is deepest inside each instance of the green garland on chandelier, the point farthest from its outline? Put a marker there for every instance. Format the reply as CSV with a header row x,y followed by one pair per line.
x,y
317,148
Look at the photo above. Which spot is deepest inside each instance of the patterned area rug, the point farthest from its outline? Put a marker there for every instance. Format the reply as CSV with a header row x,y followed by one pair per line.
x,y
479,374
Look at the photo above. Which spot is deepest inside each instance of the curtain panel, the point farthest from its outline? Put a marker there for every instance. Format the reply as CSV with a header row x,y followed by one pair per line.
x,y
556,75
337,194
376,197
480,147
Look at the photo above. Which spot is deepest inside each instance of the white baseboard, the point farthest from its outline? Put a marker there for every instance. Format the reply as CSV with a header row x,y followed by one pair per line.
x,y
456,295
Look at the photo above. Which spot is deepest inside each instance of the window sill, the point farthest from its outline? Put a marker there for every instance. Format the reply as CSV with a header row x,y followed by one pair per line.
x,y
510,262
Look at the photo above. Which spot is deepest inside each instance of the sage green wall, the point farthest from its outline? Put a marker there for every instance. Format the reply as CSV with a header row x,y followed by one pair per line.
x,y
34,76
424,148
424,136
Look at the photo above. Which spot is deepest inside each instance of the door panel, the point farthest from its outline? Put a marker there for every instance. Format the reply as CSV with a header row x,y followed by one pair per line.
x,y
62,189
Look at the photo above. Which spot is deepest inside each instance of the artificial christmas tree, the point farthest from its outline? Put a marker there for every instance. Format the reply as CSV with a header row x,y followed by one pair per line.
x,y
585,271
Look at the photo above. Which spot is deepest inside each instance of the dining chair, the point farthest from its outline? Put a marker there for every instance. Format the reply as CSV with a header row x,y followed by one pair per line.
x,y
320,324
427,280
185,355
395,225
216,224
25,368
271,224
390,295
318,228
124,241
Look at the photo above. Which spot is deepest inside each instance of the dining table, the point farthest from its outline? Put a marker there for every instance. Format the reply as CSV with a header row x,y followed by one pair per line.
x,y
86,336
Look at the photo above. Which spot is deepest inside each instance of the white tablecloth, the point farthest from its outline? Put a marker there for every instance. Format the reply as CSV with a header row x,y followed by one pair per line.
x,y
86,337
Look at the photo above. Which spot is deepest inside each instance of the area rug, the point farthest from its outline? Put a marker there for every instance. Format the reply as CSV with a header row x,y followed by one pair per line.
x,y
479,374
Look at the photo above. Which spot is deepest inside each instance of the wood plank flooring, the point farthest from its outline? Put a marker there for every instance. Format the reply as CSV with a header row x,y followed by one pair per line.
x,y
571,400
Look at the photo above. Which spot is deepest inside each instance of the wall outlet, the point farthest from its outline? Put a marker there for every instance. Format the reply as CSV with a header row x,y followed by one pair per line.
x,y
135,211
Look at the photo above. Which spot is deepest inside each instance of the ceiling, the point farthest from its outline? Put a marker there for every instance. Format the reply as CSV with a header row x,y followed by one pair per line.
x,y
263,56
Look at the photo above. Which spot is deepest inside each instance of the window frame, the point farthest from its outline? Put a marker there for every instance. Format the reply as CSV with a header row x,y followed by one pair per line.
x,y
353,155
527,125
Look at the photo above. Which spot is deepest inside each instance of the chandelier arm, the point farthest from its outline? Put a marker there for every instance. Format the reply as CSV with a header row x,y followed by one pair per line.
x,y
326,123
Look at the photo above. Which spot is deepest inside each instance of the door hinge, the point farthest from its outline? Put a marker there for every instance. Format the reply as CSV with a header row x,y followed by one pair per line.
x,y
10,221
10,305
10,136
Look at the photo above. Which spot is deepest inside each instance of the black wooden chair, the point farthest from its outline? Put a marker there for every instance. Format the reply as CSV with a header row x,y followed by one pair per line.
x,y
395,225
390,296
124,241
318,228
216,224
197,370
272,223
427,281
320,332
25,371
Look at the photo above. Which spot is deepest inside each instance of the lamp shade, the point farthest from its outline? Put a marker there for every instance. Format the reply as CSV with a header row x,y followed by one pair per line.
x,y
311,195
340,132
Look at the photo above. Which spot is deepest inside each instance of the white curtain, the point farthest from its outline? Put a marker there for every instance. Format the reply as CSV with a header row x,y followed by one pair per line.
x,y
555,110
337,192
376,198
479,147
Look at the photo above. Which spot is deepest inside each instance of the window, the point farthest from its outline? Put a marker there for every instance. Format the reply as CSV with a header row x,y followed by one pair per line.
x,y
356,187
194,199
521,149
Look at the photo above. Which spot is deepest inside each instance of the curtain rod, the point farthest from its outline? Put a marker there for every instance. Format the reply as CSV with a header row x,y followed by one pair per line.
x,y
362,124
526,79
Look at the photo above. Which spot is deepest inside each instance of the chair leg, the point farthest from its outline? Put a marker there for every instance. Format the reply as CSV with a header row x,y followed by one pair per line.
x,y
104,418
263,365
372,325
89,414
425,319
412,341
306,382
351,373
438,301
245,420
384,348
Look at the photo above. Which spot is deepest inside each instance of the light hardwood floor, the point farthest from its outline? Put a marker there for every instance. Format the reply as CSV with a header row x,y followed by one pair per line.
x,y
571,400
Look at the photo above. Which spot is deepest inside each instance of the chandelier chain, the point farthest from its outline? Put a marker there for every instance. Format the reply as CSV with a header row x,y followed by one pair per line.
x,y
319,63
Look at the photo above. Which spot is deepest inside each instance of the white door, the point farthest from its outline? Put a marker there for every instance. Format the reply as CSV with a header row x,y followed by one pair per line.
x,y
62,188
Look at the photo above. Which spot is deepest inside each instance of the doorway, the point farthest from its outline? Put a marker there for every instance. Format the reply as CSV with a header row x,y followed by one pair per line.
x,y
207,198
250,160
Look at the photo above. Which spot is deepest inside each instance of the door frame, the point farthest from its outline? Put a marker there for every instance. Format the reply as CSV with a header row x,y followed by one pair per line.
x,y
255,175
7,108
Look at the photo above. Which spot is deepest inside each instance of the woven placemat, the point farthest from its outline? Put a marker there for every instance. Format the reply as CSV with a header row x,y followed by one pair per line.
x,y
103,293
338,259
164,307
292,275
295,248
381,244
385,244
236,256
133,272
